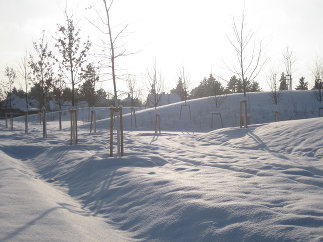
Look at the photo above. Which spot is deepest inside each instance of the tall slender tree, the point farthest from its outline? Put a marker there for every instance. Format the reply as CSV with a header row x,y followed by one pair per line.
x,y
318,84
72,51
155,85
24,71
289,61
248,51
302,84
42,69
10,73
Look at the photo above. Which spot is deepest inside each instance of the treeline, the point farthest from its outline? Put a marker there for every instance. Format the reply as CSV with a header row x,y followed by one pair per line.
x,y
212,87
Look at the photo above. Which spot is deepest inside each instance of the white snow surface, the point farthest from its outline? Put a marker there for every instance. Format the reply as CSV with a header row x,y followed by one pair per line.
x,y
263,183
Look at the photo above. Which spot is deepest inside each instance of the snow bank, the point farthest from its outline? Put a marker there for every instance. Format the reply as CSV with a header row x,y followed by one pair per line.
x,y
264,183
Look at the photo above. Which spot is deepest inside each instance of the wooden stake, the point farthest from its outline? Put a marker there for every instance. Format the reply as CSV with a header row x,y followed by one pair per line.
x,y
11,121
6,117
157,121
321,108
245,121
189,109
74,138
26,122
121,130
44,123
212,119
119,111
93,121
276,116
60,120
111,130
133,115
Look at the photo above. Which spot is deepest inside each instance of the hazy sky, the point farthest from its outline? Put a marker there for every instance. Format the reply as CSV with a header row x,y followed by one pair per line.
x,y
176,33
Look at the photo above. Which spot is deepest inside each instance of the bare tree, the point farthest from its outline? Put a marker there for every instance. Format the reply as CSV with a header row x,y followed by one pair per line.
x,y
10,73
112,46
184,79
289,61
132,89
24,72
42,69
73,52
318,84
249,53
275,92
155,85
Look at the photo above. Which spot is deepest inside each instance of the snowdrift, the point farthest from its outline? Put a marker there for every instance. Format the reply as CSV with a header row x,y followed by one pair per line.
x,y
264,183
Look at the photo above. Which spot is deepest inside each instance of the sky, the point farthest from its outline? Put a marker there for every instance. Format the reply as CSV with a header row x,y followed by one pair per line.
x,y
174,34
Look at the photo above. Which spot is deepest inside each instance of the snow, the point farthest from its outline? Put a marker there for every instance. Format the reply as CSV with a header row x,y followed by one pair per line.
x,y
264,183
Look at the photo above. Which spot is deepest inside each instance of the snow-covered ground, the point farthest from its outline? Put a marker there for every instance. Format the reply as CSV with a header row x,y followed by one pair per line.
x,y
264,183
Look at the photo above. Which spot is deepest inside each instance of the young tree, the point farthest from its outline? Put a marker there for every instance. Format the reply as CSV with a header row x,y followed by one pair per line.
x,y
24,72
289,61
302,85
42,69
113,49
318,84
58,89
155,84
184,78
73,52
274,87
249,54
133,93
10,73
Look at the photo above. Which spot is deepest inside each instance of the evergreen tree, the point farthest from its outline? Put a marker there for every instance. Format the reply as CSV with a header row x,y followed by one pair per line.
x,y
87,90
208,87
255,87
234,85
180,90
302,85
283,83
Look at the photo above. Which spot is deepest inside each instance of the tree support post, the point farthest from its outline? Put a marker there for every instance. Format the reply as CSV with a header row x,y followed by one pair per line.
x,y
6,117
118,112
276,116
93,121
11,121
73,139
243,118
60,120
189,109
157,123
44,122
40,118
26,122
320,115
133,116
212,119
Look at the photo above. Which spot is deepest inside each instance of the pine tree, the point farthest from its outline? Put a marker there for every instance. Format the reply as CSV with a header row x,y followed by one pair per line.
x,y
179,90
283,84
255,87
233,84
302,85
